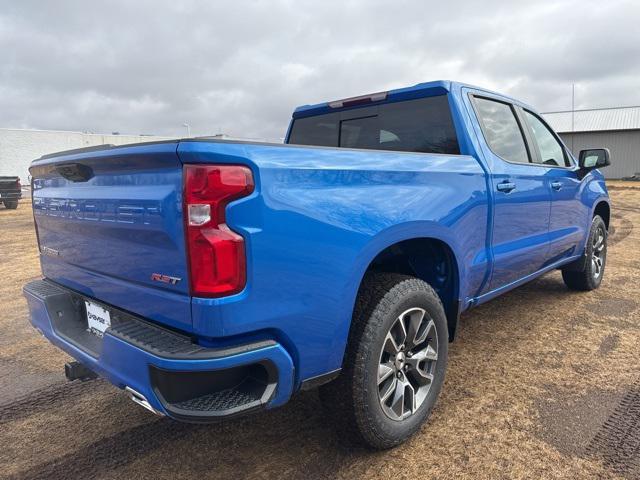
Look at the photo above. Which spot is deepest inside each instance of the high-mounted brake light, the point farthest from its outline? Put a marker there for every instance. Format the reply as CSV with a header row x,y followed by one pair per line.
x,y
217,259
361,100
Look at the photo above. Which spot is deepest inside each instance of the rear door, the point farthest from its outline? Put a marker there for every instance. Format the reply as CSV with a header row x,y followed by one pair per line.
x,y
521,195
568,214
110,226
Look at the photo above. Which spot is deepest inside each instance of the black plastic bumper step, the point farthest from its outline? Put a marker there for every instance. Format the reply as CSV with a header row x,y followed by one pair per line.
x,y
219,401
66,309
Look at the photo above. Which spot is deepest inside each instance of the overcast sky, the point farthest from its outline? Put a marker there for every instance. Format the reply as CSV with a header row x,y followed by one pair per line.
x,y
240,67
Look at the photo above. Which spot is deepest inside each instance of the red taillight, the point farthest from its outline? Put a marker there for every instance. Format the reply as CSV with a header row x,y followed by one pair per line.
x,y
217,260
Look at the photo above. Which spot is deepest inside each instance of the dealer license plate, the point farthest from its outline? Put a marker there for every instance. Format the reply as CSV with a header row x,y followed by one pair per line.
x,y
98,319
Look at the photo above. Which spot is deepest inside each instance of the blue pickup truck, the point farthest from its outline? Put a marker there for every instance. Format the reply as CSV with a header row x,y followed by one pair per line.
x,y
213,278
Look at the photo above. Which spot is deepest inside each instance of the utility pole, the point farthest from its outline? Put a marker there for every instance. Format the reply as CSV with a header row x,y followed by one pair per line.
x,y
573,113
188,129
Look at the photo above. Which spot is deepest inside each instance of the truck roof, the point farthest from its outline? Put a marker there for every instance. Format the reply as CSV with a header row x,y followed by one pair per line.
x,y
426,89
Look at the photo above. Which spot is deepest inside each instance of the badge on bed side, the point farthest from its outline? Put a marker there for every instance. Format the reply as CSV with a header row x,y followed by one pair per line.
x,y
158,277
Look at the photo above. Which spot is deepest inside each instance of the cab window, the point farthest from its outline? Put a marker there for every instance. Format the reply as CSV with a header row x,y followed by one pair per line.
x,y
501,130
422,125
551,151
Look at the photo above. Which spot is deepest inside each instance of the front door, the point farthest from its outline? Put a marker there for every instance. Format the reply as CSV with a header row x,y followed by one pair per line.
x,y
568,214
520,190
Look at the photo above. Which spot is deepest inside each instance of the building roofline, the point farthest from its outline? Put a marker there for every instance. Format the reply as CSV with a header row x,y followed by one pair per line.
x,y
608,130
84,133
591,109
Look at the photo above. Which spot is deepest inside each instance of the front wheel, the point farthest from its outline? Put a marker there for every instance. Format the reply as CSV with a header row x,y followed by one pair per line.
x,y
395,361
589,275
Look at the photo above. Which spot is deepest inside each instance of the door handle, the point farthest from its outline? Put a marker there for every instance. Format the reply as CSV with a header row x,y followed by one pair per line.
x,y
556,185
506,186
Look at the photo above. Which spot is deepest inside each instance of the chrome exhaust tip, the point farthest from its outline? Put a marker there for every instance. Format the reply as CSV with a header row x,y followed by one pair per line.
x,y
141,400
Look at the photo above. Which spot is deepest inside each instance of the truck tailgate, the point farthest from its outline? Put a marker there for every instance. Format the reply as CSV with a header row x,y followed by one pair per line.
x,y
110,226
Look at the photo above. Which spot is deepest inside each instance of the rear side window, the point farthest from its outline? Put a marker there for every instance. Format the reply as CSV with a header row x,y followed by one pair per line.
x,y
501,130
423,125
321,130
551,152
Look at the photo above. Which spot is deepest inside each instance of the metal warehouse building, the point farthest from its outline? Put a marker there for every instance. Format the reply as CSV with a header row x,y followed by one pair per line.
x,y
617,129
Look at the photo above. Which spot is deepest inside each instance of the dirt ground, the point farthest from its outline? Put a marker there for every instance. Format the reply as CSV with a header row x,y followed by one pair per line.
x,y
542,383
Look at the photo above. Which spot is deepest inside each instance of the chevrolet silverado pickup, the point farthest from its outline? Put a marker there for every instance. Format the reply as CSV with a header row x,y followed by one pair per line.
x,y
214,278
10,192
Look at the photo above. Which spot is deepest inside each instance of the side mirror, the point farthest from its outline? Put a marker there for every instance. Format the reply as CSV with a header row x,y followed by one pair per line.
x,y
594,158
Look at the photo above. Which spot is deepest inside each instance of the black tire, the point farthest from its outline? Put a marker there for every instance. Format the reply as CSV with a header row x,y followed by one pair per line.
x,y
355,398
10,204
590,272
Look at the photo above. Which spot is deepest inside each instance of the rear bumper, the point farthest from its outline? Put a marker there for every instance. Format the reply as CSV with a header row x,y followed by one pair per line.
x,y
176,376
10,195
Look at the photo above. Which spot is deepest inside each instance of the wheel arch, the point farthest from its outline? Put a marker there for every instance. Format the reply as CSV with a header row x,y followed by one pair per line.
x,y
603,209
428,258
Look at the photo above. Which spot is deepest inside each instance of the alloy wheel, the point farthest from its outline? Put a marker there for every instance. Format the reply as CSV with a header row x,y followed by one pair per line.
x,y
407,363
598,252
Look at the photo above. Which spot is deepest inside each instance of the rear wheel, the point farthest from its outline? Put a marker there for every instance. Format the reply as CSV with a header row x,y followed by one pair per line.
x,y
395,362
11,204
589,276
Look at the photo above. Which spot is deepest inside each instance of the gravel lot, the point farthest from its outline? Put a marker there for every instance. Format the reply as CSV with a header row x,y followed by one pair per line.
x,y
542,383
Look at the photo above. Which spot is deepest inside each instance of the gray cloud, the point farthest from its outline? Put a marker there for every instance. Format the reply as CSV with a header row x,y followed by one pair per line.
x,y
241,67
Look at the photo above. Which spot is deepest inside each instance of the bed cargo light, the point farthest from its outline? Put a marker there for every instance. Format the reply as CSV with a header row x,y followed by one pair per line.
x,y
216,254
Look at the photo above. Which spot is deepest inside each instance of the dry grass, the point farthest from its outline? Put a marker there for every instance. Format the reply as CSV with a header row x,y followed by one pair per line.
x,y
532,377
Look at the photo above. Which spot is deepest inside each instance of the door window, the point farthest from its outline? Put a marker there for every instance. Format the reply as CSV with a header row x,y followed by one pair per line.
x,y
501,130
551,151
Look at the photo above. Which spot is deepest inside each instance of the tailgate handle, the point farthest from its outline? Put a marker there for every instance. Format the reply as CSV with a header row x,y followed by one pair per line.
x,y
76,172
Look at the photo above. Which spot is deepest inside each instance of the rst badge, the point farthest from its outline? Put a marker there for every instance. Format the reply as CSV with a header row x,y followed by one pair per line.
x,y
158,277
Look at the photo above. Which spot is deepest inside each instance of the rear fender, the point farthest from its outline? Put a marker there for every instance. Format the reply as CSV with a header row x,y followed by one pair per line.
x,y
393,236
